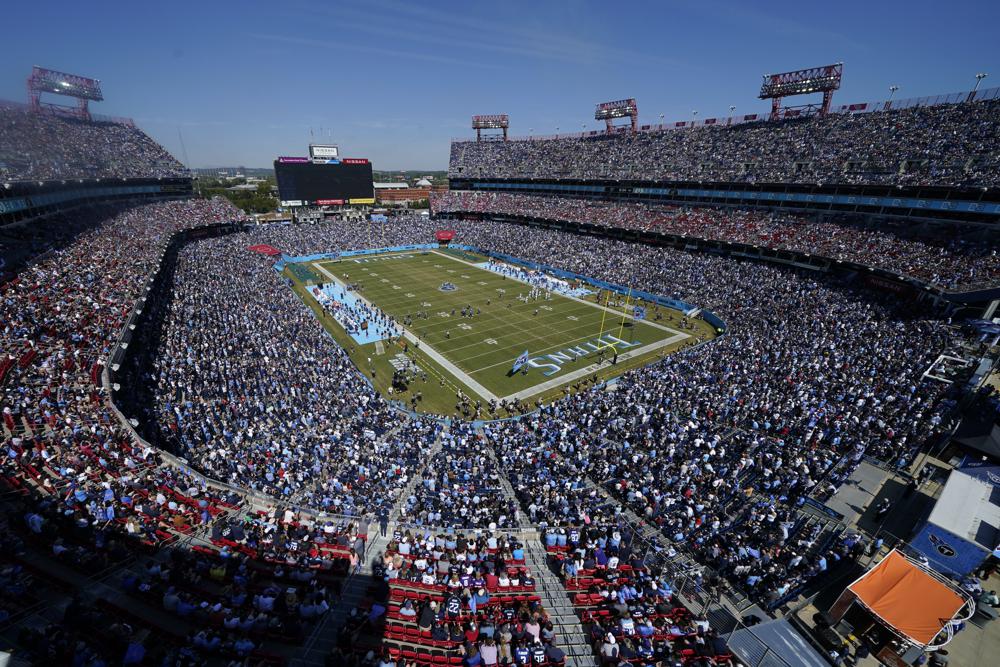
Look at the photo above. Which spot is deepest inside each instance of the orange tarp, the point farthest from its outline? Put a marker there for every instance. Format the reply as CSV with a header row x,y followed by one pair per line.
x,y
907,598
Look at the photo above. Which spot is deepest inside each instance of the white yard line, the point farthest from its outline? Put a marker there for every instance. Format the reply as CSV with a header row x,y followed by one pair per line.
x,y
617,313
427,349
561,379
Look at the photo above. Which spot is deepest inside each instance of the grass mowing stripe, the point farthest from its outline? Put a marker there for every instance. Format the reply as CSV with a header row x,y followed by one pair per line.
x,y
384,284
551,341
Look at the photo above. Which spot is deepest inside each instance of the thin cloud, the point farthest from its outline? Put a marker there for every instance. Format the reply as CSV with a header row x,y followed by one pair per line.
x,y
421,24
361,48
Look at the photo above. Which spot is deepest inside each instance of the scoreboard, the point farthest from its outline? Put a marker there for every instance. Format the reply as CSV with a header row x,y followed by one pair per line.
x,y
305,182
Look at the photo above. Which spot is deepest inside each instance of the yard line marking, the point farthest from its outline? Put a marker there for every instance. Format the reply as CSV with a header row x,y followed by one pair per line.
x,y
443,361
493,321
571,343
567,296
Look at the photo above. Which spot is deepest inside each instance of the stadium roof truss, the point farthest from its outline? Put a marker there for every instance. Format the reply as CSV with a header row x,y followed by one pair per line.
x,y
825,79
612,111
498,121
81,88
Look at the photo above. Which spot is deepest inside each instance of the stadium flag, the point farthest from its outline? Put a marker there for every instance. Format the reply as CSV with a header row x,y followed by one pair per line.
x,y
639,312
519,362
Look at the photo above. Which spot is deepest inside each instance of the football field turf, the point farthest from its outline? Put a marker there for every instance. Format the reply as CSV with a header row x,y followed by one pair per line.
x,y
568,339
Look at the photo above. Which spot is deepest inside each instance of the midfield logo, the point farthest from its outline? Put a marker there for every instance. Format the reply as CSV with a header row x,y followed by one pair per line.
x,y
550,364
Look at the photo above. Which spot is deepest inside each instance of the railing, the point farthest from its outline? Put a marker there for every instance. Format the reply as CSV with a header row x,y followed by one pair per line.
x,y
857,108
959,294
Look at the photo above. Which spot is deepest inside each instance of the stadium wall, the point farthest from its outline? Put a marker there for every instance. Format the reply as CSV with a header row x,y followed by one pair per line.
x,y
876,279
26,201
914,203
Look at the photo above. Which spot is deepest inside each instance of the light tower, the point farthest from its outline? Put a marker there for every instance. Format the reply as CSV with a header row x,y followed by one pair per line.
x,y
69,85
611,111
888,102
498,121
825,79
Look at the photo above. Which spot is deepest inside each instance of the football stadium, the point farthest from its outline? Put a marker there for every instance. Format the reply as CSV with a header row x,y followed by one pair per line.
x,y
715,391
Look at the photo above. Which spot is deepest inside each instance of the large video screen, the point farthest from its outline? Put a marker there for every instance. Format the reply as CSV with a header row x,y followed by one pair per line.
x,y
305,183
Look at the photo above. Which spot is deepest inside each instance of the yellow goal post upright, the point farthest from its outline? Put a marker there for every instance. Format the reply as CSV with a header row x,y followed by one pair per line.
x,y
607,305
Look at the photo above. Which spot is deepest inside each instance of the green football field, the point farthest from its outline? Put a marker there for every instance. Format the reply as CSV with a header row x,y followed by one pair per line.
x,y
569,340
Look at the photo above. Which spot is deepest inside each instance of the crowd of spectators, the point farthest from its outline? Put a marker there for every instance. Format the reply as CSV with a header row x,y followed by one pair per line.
x,y
40,146
82,490
790,398
786,374
953,144
460,487
246,384
714,445
940,257
468,594
627,605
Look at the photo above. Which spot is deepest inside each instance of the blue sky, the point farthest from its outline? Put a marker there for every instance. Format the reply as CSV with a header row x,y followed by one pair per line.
x,y
395,81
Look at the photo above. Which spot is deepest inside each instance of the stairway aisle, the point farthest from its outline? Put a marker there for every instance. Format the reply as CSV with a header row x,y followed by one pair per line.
x,y
555,598
412,485
355,591
570,636
357,585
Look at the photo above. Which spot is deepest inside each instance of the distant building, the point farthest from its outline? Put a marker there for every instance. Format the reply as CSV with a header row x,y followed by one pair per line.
x,y
402,195
243,187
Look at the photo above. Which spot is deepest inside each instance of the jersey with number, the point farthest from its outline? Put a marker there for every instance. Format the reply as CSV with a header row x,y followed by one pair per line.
x,y
453,606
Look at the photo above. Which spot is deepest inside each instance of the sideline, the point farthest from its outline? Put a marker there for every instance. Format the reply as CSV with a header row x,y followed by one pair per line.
x,y
426,349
